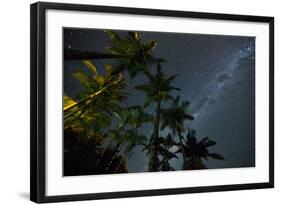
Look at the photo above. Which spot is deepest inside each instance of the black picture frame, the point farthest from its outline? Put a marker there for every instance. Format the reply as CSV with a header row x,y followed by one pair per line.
x,y
38,101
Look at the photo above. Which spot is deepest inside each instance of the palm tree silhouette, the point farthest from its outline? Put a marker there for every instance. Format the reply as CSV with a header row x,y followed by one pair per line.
x,y
164,149
130,119
196,151
157,90
174,118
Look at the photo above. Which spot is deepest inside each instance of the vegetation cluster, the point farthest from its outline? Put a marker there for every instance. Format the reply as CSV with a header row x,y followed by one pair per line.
x,y
101,131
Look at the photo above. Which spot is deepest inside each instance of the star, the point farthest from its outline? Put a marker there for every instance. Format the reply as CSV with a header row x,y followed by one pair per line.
x,y
69,46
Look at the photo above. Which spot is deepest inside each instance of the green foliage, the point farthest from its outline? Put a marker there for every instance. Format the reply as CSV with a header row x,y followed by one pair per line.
x,y
100,98
175,116
158,88
97,116
134,116
91,66
68,102
135,56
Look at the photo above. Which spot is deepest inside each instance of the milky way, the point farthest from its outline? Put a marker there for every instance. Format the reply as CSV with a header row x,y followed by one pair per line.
x,y
211,91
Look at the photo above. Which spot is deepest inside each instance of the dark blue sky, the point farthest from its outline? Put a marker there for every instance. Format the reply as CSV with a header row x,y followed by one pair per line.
x,y
216,74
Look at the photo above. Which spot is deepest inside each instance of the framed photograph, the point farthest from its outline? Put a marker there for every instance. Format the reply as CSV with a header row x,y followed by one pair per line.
x,y
129,102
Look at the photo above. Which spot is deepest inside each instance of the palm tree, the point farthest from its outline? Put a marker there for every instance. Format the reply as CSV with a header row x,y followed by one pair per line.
x,y
126,135
97,104
132,54
174,118
195,151
164,149
133,115
157,90
92,113
101,97
133,140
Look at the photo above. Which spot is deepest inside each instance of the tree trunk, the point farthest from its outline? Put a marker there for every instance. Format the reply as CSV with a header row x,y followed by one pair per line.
x,y
123,159
153,162
182,150
119,148
104,150
70,54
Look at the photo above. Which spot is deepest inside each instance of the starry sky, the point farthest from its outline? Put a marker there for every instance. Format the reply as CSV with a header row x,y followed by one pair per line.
x,y
216,74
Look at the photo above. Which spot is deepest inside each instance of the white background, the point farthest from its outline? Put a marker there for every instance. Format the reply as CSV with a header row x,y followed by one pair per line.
x,y
14,103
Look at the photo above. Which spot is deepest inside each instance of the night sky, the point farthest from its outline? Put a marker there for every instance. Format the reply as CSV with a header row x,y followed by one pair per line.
x,y
216,74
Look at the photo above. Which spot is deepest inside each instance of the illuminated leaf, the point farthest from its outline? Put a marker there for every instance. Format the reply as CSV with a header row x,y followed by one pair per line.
x,y
91,66
68,102
82,77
